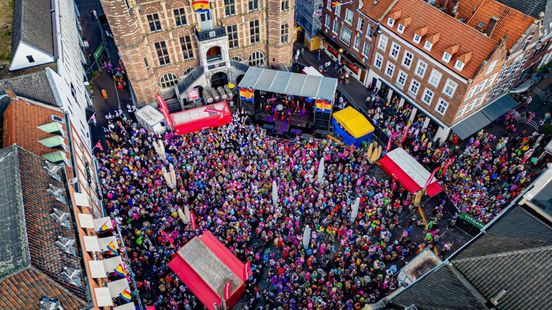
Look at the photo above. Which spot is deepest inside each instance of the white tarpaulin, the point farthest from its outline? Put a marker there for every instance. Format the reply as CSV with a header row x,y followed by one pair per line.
x,y
103,297
86,220
97,269
410,166
82,200
91,244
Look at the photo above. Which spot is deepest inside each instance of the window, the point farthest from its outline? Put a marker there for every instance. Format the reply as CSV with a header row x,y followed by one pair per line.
x,y
382,44
335,25
414,87
30,59
390,69
378,62
232,33
338,10
459,65
168,80
401,79
329,6
428,95
369,31
441,106
284,30
491,67
146,63
435,78
407,59
360,24
345,35
400,28
450,88
478,88
428,45
395,48
256,59
229,7
162,53
328,21
421,68
390,22
366,49
187,49
356,42
285,5
461,111
180,17
471,106
254,36
417,38
446,57
154,23
253,5
490,81
348,16
470,93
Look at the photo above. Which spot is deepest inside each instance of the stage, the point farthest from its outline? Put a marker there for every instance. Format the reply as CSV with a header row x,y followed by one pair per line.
x,y
294,125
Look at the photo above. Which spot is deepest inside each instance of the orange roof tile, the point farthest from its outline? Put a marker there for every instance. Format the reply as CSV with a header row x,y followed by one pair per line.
x,y
453,49
405,21
453,32
511,22
422,31
395,15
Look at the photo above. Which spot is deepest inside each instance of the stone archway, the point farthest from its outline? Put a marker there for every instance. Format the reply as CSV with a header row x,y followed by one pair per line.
x,y
214,54
219,79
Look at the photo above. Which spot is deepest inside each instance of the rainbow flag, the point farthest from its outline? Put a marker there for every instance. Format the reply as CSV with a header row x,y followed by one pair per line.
x,y
200,6
120,271
112,249
125,295
246,94
104,227
323,106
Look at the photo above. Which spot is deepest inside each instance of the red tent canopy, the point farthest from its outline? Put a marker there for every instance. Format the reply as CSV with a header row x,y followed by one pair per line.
x,y
212,115
206,266
412,175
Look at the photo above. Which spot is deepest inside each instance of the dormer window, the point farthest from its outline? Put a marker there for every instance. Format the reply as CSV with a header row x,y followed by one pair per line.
x,y
459,65
417,38
390,22
428,45
447,57
400,28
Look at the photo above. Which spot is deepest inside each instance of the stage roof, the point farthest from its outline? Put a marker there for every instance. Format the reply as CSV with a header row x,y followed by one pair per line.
x,y
295,84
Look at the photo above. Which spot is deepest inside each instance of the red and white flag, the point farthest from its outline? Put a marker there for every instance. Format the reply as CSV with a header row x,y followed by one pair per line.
x,y
389,143
168,238
447,164
98,146
247,270
227,290
405,134
193,220
431,177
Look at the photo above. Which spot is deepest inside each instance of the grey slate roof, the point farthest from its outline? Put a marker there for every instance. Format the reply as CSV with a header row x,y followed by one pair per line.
x,y
32,24
443,288
34,86
528,7
514,254
14,249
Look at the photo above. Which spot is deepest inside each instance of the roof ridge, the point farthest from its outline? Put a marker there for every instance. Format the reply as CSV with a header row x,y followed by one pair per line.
x,y
507,253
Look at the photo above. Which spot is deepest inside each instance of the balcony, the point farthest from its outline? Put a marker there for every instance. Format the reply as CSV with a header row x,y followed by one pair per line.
x,y
209,34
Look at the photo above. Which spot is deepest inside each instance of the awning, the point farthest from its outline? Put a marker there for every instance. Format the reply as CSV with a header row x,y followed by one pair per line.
x,y
97,269
86,220
412,175
129,306
91,244
523,87
99,224
51,127
82,200
500,107
54,141
116,287
354,122
55,157
482,118
288,83
103,297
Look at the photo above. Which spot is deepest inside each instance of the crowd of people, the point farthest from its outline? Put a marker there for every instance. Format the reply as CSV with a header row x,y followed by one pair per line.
x,y
481,175
225,176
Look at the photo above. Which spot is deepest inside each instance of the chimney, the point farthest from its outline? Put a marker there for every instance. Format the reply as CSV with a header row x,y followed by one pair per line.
x,y
491,26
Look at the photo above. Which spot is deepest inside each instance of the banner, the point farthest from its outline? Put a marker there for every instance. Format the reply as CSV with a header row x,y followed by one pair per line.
x,y
200,6
247,94
323,106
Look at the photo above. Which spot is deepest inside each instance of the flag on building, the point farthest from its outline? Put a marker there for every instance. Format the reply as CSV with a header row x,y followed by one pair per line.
x,y
98,146
112,249
120,271
200,6
104,227
125,295
246,94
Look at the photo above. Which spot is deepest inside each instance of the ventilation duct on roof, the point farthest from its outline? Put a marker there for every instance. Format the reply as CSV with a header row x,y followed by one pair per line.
x,y
72,275
57,193
67,245
61,217
52,170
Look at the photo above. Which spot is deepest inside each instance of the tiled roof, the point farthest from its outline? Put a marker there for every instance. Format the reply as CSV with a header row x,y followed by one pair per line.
x,y
21,121
25,289
34,86
451,32
442,288
511,23
32,24
30,231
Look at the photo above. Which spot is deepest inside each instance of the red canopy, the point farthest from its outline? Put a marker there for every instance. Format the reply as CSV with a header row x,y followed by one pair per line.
x,y
412,175
205,265
213,115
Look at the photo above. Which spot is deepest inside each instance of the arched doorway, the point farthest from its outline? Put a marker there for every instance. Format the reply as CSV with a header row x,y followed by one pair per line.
x,y
214,54
219,79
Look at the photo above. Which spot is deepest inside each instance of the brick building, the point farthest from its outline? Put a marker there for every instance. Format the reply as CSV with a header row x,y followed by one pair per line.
x,y
162,42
